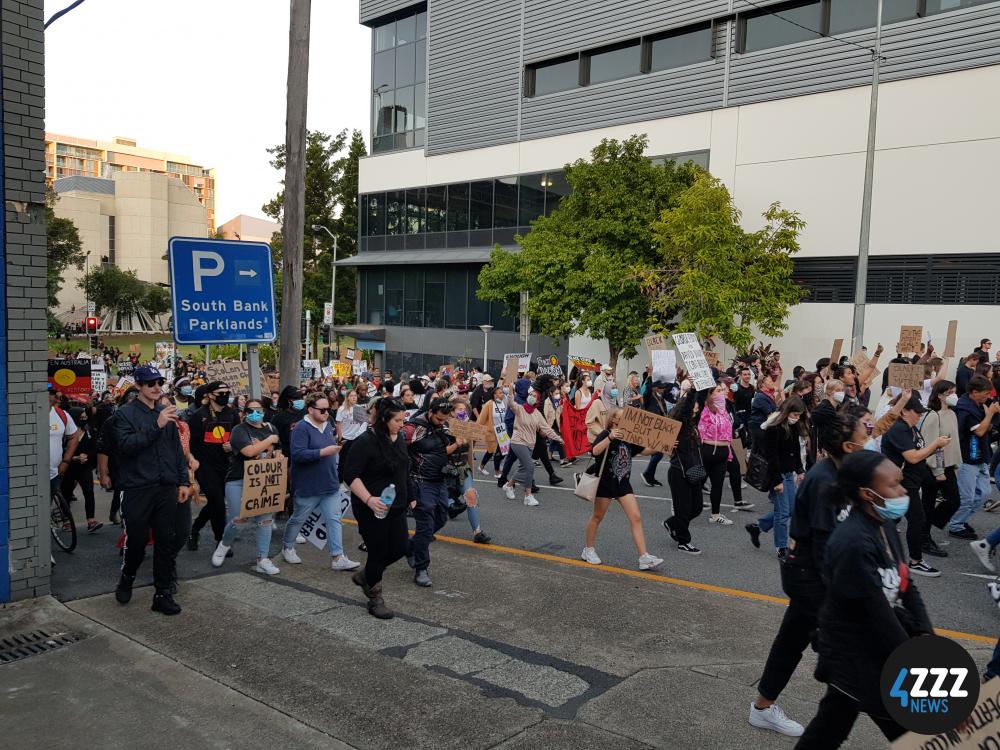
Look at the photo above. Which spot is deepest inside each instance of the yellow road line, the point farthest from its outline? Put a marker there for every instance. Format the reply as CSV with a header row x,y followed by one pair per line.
x,y
740,593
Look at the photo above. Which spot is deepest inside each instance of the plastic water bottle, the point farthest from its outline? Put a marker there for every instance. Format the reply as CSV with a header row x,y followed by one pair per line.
x,y
939,458
973,447
387,496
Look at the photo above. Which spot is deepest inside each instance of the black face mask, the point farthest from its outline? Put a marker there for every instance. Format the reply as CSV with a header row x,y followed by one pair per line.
x,y
222,399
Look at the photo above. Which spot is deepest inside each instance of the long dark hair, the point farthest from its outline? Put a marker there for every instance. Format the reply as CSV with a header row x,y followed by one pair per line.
x,y
790,404
940,387
856,472
839,430
385,410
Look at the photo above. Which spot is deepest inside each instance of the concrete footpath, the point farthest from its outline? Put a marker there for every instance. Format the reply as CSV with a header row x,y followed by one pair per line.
x,y
506,651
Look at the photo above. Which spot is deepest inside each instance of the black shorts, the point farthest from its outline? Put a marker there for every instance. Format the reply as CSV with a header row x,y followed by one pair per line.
x,y
612,487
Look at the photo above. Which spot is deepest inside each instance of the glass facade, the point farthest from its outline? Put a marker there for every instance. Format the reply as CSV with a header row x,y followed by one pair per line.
x,y
431,296
399,83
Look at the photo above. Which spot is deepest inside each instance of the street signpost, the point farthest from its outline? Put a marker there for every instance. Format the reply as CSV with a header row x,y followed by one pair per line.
x,y
223,293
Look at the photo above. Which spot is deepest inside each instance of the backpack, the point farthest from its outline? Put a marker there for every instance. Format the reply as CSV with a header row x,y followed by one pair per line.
x,y
62,416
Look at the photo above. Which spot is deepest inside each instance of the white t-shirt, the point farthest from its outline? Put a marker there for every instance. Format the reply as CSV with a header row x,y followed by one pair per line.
x,y
58,431
352,429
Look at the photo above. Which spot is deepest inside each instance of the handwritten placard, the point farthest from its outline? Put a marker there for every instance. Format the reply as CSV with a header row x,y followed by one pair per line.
x,y
471,431
860,361
513,364
548,366
135,348
906,376
664,365
949,344
655,341
910,339
980,732
649,430
838,346
264,483
712,358
694,360
234,374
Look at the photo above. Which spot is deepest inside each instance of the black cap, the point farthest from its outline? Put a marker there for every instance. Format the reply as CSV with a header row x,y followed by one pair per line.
x,y
914,404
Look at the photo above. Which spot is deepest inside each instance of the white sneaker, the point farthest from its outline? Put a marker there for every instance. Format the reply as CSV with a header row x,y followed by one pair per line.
x,y
299,539
589,554
720,519
219,556
291,556
530,500
982,549
264,565
648,561
509,492
484,471
344,563
744,485
774,718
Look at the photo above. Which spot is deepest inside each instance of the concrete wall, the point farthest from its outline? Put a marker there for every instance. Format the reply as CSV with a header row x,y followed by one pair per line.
x,y
89,213
24,532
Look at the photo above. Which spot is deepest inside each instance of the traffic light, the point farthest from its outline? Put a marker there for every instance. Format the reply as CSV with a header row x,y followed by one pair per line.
x,y
93,342
302,329
326,333
91,326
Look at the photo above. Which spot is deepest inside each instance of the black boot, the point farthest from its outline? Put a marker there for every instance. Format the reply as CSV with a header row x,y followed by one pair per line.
x,y
192,543
555,479
376,604
358,577
164,602
123,593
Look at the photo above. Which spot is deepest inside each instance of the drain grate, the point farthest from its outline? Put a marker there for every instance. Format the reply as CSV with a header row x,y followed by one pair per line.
x,y
22,645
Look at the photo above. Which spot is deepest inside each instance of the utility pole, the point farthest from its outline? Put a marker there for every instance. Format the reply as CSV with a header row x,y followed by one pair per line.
x,y
861,281
293,219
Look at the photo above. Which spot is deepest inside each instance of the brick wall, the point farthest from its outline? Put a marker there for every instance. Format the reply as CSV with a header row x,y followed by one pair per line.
x,y
25,408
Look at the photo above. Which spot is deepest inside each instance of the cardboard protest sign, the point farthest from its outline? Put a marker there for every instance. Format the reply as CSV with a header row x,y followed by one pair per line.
x,y
664,365
272,383
513,364
264,483
860,360
125,368
910,339
981,731
838,346
655,341
548,366
235,374
906,376
341,369
98,378
712,358
584,363
123,385
71,377
314,527
949,344
359,367
327,371
471,431
312,364
694,360
135,348
166,351
649,430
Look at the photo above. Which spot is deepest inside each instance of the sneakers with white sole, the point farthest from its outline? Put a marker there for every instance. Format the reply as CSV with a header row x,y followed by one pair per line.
x,y
219,556
299,539
484,471
344,563
264,565
589,554
648,561
291,556
720,519
509,492
530,501
985,554
774,718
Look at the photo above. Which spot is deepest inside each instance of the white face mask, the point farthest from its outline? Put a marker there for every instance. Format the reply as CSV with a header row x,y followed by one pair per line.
x,y
951,399
793,419
839,397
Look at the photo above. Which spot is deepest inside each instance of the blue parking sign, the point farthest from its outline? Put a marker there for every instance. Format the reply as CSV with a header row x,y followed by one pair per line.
x,y
222,291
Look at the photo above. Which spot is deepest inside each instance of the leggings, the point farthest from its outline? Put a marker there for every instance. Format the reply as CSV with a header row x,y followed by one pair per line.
x,y
688,504
386,539
213,485
939,514
735,479
833,722
497,460
82,474
715,459
915,524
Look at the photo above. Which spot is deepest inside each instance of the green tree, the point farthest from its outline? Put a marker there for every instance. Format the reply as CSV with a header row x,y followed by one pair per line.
x,y
575,262
716,279
331,202
64,246
110,287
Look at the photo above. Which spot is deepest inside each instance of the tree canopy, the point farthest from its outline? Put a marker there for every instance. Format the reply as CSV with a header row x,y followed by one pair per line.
x,y
65,248
110,287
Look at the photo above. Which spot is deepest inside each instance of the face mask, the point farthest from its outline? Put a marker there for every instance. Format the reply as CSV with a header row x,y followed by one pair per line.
x,y
718,400
793,420
222,399
187,390
532,399
556,400
299,404
871,445
734,387
895,507
506,391
839,397
255,416
614,393
586,383
951,399
461,415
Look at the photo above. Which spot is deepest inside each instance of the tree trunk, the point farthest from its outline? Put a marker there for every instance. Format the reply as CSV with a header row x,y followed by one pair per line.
x,y
613,352
293,223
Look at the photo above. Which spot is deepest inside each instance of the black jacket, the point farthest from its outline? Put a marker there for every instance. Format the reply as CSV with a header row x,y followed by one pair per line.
x,y
148,454
209,430
427,448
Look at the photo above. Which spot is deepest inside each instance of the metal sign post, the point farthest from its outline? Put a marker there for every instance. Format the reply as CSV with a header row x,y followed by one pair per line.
x,y
253,370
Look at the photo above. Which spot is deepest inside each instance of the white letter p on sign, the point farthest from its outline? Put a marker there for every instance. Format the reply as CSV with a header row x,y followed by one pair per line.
x,y
196,259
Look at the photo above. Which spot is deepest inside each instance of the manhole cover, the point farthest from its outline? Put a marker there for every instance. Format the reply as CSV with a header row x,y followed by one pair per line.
x,y
22,645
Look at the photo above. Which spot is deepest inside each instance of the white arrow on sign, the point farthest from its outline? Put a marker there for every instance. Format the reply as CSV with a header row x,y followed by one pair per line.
x,y
251,273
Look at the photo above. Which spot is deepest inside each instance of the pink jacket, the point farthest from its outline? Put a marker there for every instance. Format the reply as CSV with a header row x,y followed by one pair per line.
x,y
717,428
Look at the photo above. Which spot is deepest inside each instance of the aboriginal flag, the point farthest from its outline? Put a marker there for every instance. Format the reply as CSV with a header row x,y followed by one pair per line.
x,y
71,377
217,433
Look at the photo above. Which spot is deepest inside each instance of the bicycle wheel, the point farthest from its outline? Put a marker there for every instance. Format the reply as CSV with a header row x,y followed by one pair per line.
x,y
61,523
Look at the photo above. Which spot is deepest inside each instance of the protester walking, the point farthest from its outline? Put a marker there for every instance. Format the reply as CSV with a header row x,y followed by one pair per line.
x,y
944,464
715,429
975,420
529,422
81,468
211,425
349,426
686,476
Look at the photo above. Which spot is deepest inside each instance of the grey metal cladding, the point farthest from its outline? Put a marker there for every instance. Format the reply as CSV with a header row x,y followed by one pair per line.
x,y
693,88
554,27
938,44
374,9
474,85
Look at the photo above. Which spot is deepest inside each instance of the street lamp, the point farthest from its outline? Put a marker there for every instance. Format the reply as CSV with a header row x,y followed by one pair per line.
x,y
486,328
333,265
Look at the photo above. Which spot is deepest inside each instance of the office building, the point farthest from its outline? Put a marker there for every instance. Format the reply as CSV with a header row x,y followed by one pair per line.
x,y
126,221
476,107
69,156
249,229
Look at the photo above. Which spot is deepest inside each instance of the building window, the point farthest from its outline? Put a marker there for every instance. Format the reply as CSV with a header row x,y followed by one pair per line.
x,y
434,296
458,207
455,297
780,25
852,15
399,73
413,298
112,232
393,297
548,77
531,197
612,63
374,297
505,202
685,47
556,188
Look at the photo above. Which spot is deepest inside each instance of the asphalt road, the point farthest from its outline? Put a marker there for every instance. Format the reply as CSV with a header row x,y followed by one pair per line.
x,y
958,600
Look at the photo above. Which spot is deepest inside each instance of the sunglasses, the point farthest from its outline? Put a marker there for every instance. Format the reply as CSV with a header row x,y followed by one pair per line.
x,y
151,383
869,427
321,411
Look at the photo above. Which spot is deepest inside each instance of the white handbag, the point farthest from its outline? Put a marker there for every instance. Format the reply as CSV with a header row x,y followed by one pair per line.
x,y
586,484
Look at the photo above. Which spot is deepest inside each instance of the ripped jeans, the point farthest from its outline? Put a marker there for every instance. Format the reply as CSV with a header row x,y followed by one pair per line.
x,y
263,523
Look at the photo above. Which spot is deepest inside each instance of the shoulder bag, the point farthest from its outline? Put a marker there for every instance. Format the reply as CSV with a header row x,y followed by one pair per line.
x,y
586,483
